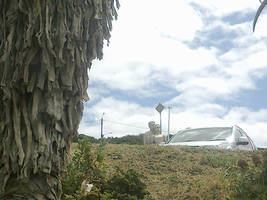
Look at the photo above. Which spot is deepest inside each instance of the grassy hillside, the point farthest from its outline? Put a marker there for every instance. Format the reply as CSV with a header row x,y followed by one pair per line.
x,y
193,173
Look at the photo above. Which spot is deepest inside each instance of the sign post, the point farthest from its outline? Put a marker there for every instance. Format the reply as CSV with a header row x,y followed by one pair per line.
x,y
160,108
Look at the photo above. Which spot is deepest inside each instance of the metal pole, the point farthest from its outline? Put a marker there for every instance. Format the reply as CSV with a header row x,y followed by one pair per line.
x,y
159,108
160,123
169,114
101,123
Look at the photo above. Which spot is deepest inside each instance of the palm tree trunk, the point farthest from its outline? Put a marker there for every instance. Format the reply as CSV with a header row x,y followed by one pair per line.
x,y
46,50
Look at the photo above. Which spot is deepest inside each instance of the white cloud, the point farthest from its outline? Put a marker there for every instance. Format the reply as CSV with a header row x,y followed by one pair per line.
x,y
147,50
169,16
146,38
120,75
226,7
134,70
121,117
257,132
243,114
253,122
143,55
175,18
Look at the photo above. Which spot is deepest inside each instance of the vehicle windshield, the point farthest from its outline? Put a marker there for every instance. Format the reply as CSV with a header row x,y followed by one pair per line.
x,y
202,134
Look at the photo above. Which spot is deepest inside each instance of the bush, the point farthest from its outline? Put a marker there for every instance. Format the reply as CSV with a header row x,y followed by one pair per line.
x,y
86,137
88,165
85,165
126,185
264,171
128,139
249,181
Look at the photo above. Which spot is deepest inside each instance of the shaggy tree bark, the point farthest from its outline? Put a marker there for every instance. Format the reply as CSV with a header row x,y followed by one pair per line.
x,y
46,49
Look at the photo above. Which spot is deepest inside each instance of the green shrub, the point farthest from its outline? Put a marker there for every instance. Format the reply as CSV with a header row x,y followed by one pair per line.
x,y
264,171
248,182
128,139
85,165
88,165
126,185
217,162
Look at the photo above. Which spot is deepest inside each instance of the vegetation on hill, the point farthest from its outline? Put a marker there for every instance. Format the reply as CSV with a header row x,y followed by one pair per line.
x,y
194,173
88,165
87,137
177,172
128,139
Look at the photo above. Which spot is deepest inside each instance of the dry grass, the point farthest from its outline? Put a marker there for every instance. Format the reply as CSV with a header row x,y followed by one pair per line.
x,y
180,172
177,172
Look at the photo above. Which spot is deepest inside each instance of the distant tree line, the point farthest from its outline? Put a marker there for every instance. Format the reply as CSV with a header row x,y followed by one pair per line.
x,y
89,138
128,139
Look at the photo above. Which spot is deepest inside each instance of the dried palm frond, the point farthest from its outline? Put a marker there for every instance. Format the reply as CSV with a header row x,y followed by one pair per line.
x,y
263,4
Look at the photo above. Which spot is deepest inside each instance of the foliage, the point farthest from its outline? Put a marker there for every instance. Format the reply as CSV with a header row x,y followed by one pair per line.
x,y
87,137
88,164
248,181
85,165
263,4
178,172
264,171
128,139
126,185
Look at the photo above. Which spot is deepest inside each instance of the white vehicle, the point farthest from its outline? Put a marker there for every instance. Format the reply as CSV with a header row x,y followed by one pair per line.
x,y
215,137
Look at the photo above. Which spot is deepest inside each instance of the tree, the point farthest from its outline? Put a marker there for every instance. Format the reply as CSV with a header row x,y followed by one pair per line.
x,y
263,4
46,49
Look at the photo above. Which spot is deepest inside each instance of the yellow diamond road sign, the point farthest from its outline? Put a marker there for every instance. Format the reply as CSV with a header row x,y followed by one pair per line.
x,y
160,108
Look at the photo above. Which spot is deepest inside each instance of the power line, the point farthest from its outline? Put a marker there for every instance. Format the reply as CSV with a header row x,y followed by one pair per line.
x,y
126,124
130,125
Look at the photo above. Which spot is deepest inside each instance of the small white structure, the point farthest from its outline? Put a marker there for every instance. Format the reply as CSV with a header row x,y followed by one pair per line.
x,y
153,136
86,187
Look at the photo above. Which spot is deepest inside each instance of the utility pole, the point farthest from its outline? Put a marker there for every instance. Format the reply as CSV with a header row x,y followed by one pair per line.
x,y
169,114
160,123
101,123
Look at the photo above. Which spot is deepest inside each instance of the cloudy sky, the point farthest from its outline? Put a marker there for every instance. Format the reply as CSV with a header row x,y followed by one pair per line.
x,y
200,57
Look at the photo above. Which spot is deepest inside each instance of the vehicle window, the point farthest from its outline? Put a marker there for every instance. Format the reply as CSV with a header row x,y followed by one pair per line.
x,y
203,134
239,133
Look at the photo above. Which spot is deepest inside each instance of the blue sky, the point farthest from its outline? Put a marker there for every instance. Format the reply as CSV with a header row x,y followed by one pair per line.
x,y
199,57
